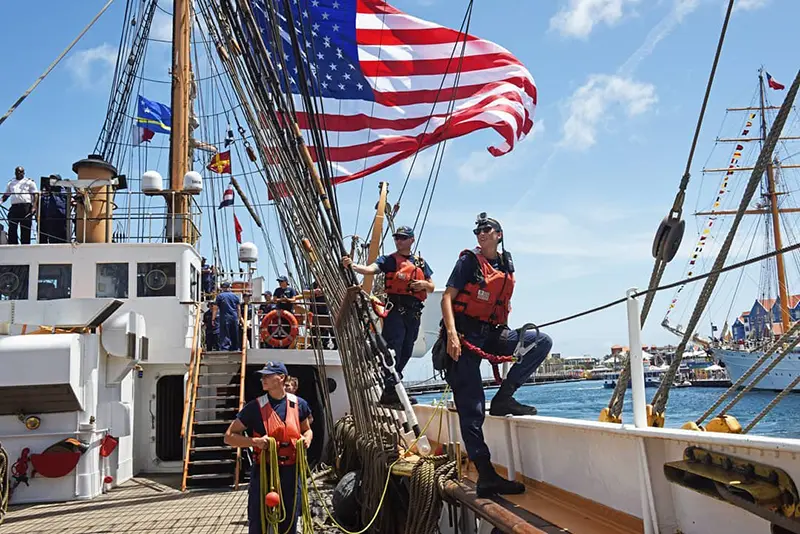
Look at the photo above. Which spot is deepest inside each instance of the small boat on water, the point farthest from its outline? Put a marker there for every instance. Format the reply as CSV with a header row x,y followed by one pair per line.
x,y
652,378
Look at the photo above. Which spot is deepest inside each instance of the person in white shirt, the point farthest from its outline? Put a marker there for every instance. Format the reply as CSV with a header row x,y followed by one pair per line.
x,y
23,193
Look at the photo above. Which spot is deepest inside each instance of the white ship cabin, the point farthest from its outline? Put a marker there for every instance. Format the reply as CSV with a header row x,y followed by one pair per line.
x,y
96,340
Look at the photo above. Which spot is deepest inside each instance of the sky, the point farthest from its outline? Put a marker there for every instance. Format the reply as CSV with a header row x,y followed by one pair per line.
x,y
620,83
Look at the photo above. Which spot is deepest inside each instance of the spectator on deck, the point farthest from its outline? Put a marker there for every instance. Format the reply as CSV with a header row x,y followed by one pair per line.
x,y
53,213
23,194
284,295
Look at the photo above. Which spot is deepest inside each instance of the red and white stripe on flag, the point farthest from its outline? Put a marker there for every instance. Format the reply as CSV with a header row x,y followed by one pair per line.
x,y
142,135
405,60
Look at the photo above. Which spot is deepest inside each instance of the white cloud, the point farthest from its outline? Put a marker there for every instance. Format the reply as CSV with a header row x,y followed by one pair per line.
x,y
673,19
750,5
597,100
94,66
578,17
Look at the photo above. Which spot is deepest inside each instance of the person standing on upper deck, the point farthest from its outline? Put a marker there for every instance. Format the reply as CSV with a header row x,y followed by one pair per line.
x,y
476,305
226,312
212,328
284,295
53,213
23,193
408,282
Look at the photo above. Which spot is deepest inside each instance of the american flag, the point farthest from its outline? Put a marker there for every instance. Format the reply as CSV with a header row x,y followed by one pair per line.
x,y
377,73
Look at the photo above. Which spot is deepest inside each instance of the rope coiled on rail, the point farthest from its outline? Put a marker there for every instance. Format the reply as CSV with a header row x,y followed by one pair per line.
x,y
425,495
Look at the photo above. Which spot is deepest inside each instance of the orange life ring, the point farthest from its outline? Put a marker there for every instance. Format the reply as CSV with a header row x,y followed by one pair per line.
x,y
273,328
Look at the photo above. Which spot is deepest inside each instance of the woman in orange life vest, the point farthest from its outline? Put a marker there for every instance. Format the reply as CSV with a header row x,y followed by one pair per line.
x,y
476,304
408,282
284,417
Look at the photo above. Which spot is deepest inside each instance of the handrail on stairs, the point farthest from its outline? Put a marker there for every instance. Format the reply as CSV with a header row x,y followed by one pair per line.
x,y
195,372
242,374
192,375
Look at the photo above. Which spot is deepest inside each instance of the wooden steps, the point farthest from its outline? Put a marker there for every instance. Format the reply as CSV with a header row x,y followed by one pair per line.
x,y
210,463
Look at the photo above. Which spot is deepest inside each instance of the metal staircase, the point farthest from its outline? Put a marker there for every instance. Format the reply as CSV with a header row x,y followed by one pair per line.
x,y
215,393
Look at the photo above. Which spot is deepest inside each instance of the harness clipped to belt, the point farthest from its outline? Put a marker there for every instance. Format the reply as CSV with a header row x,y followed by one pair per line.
x,y
440,350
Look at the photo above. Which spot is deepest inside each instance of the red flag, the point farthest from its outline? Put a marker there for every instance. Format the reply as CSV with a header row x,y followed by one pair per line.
x,y
238,228
220,163
142,135
773,83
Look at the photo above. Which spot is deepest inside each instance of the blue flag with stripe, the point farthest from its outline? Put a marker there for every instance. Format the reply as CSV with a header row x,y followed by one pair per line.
x,y
154,116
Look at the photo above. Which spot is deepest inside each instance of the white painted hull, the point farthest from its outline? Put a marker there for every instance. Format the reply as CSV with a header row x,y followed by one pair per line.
x,y
605,463
737,362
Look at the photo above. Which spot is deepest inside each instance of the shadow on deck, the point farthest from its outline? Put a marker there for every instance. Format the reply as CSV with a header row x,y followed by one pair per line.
x,y
149,503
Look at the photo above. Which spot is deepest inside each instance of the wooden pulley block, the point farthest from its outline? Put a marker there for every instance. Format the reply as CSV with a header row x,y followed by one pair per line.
x,y
668,238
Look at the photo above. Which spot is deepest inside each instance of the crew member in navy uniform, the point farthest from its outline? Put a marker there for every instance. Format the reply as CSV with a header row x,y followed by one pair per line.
x,y
476,304
23,193
212,328
408,282
282,416
226,313
53,213
284,295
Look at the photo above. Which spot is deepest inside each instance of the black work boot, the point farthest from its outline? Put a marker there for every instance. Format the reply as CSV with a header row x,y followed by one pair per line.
x,y
490,483
504,403
389,397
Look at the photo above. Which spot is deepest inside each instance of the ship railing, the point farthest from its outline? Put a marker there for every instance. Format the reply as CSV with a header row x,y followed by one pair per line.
x,y
314,326
139,224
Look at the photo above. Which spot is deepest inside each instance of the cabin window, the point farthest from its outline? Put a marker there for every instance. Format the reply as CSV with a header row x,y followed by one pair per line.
x,y
14,282
55,281
112,281
194,284
155,279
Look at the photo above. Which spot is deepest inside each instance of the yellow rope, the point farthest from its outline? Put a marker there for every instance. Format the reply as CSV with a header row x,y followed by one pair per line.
x,y
301,468
274,514
439,406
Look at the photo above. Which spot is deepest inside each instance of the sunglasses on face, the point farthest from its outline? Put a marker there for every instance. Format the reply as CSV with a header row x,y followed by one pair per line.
x,y
482,230
401,237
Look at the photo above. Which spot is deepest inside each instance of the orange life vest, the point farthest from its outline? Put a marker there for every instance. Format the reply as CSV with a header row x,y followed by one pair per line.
x,y
489,299
406,270
285,433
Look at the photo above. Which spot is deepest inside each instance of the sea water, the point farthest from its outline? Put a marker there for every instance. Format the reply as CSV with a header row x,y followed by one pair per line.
x,y
585,399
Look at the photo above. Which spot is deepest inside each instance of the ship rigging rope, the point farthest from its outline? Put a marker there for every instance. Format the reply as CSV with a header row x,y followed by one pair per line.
x,y
345,430
54,63
671,285
661,396
618,396
305,212
786,343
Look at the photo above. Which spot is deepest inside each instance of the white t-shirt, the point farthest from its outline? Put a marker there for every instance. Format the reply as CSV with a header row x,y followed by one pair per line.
x,y
21,191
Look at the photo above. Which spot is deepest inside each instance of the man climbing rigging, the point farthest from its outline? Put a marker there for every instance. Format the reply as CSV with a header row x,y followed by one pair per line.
x,y
226,313
408,282
476,305
282,416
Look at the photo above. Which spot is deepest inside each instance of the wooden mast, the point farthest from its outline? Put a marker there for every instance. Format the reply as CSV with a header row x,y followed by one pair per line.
x,y
377,232
783,290
177,205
